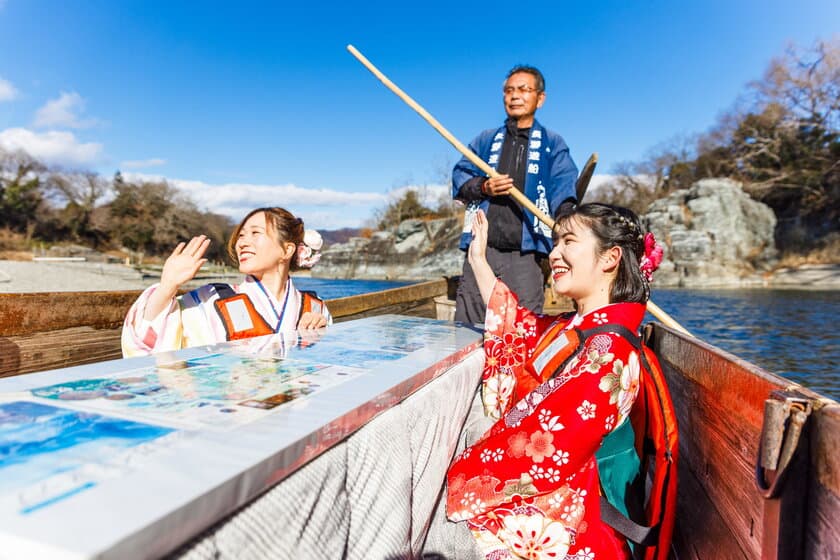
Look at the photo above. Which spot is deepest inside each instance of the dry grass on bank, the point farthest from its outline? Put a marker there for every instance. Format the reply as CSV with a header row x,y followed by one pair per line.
x,y
14,246
829,254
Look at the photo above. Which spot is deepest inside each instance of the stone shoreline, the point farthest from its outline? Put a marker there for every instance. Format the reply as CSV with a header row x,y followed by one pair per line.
x,y
29,276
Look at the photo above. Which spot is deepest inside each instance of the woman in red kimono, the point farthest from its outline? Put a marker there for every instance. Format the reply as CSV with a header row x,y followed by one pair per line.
x,y
530,487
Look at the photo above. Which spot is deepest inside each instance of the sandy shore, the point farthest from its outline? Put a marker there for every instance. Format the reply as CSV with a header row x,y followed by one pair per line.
x,y
30,276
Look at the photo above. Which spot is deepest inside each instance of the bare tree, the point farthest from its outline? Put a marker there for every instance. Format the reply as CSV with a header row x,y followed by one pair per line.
x,y
806,82
79,192
20,191
83,189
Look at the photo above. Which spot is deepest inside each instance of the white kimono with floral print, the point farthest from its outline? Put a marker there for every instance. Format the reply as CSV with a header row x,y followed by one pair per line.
x,y
191,319
529,488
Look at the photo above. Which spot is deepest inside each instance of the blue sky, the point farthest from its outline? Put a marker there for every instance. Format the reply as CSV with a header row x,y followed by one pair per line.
x,y
251,103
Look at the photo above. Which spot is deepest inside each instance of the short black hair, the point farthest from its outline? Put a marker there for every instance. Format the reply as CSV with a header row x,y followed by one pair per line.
x,y
528,70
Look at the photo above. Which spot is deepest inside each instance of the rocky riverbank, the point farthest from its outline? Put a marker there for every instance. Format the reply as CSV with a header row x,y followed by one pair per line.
x,y
714,236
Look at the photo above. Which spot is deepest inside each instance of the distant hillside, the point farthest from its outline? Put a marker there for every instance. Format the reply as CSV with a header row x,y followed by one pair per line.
x,y
343,235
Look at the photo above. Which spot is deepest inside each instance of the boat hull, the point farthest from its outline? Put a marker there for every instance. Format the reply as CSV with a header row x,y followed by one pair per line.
x,y
722,514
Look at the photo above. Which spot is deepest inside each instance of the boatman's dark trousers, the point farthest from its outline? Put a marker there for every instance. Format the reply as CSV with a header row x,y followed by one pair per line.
x,y
521,273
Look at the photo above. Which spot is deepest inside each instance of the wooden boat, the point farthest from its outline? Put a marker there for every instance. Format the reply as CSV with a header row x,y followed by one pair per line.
x,y
746,490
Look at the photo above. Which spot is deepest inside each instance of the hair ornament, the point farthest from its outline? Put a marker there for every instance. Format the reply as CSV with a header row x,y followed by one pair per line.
x,y
309,251
652,257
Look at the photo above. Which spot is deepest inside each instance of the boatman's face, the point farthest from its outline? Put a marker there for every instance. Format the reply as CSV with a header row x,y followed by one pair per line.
x,y
521,96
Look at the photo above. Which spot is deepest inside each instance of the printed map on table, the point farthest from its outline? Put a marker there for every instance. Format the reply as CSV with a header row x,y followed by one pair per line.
x,y
391,339
219,390
49,453
73,435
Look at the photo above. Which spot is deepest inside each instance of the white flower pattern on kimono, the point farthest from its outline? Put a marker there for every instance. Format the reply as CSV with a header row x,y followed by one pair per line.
x,y
549,423
536,472
586,410
578,494
552,475
535,537
473,503
497,392
492,321
629,385
560,457
569,512
611,382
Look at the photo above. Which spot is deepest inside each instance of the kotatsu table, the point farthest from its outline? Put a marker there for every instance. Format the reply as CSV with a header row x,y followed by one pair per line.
x,y
276,447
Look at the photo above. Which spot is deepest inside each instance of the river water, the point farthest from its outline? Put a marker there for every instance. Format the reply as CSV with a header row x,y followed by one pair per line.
x,y
792,333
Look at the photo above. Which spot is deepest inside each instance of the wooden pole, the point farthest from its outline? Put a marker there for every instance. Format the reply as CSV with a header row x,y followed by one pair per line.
x,y
666,319
482,165
469,154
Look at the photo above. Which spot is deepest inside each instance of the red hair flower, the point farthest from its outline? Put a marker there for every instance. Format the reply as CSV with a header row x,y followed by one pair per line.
x,y
652,257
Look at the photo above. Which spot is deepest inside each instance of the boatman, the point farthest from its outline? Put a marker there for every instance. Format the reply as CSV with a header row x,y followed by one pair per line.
x,y
530,158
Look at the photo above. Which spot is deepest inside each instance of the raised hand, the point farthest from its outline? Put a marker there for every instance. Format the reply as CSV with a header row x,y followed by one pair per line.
x,y
184,262
478,246
484,275
180,267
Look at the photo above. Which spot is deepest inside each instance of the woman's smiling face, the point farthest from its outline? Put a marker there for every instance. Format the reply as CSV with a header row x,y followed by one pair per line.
x,y
257,248
575,264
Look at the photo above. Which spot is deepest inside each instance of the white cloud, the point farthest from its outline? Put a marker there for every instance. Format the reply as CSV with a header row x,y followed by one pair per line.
x,y
64,112
51,147
319,208
142,163
7,90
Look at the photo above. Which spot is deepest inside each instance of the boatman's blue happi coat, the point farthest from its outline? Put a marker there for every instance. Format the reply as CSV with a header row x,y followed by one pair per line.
x,y
549,181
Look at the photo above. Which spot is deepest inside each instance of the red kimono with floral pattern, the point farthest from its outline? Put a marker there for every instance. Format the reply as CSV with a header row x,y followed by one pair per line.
x,y
529,488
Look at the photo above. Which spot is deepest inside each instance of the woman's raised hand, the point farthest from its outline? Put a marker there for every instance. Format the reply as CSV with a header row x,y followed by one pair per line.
x,y
484,275
184,262
180,267
478,246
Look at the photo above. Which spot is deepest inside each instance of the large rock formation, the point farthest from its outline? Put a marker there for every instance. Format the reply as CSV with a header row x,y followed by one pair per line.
x,y
416,249
713,235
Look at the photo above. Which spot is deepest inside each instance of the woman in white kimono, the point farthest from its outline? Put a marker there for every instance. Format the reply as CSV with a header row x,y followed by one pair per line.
x,y
267,244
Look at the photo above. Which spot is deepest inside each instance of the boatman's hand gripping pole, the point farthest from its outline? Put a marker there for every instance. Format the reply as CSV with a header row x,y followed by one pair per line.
x,y
483,166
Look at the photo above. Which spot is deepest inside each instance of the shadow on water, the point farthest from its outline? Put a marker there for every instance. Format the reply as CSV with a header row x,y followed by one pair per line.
x,y
792,333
